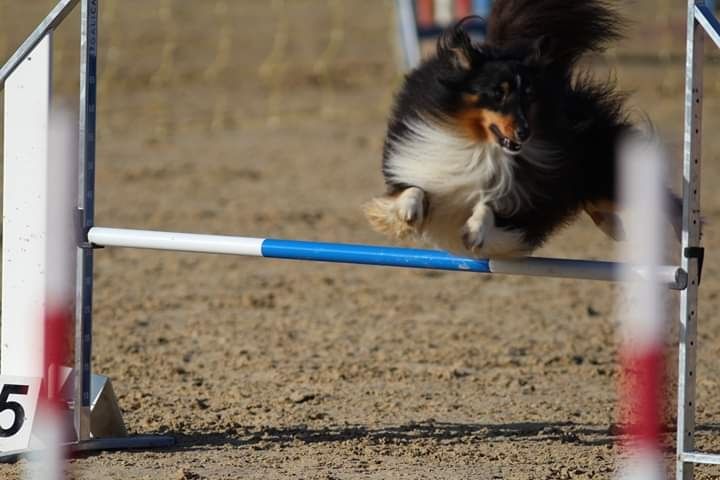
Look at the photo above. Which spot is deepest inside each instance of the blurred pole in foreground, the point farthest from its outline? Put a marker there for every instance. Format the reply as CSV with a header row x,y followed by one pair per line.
x,y
52,427
425,12
482,7
463,8
642,310
443,12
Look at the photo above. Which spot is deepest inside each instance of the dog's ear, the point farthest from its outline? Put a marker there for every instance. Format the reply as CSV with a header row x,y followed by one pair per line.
x,y
455,45
539,52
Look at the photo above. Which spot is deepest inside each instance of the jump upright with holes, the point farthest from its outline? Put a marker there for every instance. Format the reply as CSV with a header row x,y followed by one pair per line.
x,y
49,212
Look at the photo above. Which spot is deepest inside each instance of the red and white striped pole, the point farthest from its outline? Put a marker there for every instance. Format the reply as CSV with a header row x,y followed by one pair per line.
x,y
425,13
51,427
51,424
443,12
642,309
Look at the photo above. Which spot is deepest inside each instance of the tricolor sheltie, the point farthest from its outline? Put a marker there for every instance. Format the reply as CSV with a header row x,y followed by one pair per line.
x,y
492,147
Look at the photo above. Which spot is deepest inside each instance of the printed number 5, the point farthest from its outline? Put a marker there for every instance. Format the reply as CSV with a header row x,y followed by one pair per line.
x,y
17,409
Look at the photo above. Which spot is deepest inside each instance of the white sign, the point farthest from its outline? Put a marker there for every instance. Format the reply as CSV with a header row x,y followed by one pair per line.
x,y
18,404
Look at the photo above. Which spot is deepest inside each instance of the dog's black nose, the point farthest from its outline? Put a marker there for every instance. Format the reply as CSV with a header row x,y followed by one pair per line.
x,y
522,133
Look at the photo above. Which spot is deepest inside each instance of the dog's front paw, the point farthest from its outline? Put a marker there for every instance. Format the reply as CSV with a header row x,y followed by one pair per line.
x,y
411,206
475,231
473,235
401,216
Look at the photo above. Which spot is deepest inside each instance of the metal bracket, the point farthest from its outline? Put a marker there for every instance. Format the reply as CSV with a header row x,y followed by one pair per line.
x,y
699,254
81,232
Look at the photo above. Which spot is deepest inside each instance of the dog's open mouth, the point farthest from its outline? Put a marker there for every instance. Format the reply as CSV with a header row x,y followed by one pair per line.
x,y
509,146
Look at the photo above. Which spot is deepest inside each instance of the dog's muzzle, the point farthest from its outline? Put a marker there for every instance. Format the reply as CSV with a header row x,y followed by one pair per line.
x,y
509,146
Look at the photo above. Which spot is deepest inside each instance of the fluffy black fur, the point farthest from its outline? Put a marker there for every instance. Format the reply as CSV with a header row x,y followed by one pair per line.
x,y
566,29
522,90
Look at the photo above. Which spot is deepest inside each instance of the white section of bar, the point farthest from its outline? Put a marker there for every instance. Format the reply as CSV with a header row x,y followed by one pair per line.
x,y
706,458
582,269
183,242
25,213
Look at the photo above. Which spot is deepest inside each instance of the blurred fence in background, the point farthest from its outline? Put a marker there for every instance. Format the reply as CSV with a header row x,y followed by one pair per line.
x,y
249,62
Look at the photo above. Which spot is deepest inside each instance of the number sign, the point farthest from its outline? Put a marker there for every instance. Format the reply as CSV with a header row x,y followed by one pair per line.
x,y
18,404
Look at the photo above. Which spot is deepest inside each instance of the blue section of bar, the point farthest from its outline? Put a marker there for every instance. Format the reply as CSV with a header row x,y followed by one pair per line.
x,y
371,255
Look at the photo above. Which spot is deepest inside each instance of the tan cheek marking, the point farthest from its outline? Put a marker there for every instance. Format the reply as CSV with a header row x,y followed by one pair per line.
x,y
472,124
505,123
470,99
509,128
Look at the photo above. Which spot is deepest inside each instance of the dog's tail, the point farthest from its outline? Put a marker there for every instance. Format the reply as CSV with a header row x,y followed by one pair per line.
x,y
561,30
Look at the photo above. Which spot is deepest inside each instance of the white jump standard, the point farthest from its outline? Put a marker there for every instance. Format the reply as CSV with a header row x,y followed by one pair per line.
x,y
29,206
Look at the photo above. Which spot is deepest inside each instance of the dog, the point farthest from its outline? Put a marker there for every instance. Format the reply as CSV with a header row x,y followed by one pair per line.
x,y
493,147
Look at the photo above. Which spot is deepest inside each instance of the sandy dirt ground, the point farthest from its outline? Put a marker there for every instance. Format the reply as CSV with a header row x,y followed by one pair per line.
x,y
266,118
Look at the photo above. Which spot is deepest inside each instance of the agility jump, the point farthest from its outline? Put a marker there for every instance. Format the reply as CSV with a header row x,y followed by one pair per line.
x,y
26,232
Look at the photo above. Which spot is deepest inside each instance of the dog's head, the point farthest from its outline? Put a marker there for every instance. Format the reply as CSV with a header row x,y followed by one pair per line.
x,y
492,92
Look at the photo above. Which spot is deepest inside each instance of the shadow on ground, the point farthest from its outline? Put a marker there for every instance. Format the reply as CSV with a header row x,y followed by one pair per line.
x,y
447,433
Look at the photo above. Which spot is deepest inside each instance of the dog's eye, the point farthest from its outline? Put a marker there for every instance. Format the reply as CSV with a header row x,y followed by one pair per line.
x,y
499,94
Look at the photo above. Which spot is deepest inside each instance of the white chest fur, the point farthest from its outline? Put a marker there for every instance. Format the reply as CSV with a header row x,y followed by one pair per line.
x,y
456,174
450,167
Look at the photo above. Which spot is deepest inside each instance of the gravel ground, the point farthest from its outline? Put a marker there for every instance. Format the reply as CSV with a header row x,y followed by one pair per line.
x,y
266,119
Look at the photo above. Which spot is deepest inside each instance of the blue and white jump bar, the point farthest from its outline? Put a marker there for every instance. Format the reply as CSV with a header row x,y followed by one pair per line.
x,y
673,277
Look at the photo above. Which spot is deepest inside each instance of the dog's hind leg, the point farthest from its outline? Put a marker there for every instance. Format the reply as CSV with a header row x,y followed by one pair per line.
x,y
398,215
604,214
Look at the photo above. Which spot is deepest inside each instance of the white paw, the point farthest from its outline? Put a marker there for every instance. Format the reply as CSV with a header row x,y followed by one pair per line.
x,y
476,229
474,234
410,206
400,216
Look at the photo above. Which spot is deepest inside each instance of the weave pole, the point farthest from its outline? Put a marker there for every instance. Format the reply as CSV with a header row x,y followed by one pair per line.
x,y
420,22
51,428
643,319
